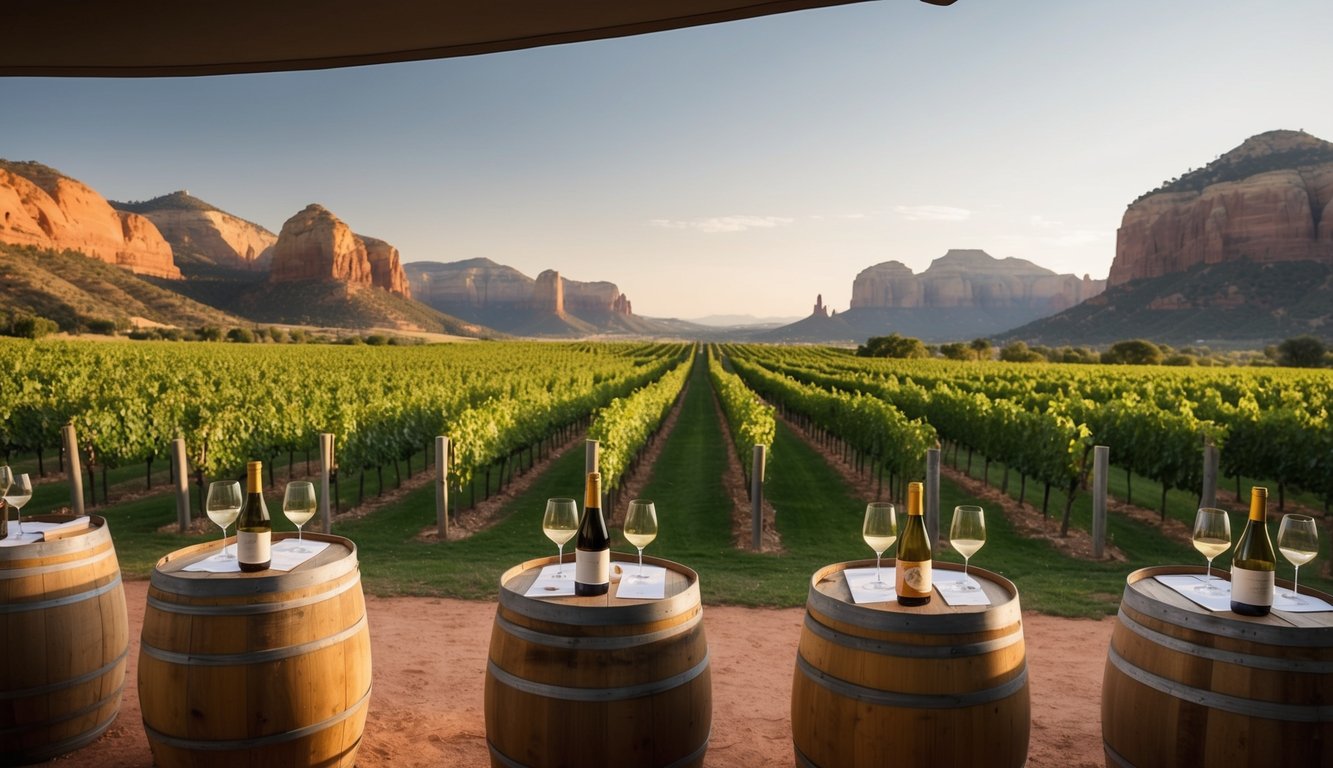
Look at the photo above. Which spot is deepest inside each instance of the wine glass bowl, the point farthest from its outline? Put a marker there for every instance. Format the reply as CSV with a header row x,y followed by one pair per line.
x,y
967,534
640,529
560,522
880,531
1212,537
298,504
1298,541
222,505
16,495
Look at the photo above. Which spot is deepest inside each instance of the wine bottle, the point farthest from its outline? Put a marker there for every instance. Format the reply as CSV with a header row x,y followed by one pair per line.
x,y
592,552
1253,567
254,529
913,582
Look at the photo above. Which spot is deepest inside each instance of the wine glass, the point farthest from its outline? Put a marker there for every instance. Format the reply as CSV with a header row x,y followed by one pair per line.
x,y
967,532
640,529
298,504
560,523
6,480
1212,537
880,530
223,505
16,495
1298,541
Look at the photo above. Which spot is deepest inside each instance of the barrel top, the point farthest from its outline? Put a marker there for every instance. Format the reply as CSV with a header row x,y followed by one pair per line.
x,y
337,558
1144,592
829,591
68,542
682,592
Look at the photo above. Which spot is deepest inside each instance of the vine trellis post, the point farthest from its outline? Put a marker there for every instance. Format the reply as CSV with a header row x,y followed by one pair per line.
x,y
1101,466
757,499
72,468
325,470
442,487
180,474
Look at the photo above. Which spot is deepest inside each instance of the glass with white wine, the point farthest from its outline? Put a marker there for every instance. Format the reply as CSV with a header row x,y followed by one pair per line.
x,y
1212,537
967,533
1298,541
223,505
17,494
298,504
880,530
640,529
560,523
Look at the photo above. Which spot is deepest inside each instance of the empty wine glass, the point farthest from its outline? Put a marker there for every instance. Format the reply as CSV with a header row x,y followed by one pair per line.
x,y
640,529
16,495
880,530
223,505
967,533
1298,541
298,504
560,523
1212,537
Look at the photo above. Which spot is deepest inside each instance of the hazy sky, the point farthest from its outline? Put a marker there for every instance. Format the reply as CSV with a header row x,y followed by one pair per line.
x,y
733,168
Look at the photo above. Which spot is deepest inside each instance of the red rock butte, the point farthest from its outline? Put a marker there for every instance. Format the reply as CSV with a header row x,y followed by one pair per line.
x,y
316,245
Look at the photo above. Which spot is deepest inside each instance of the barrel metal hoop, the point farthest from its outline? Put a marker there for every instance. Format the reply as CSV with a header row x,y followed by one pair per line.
x,y
257,742
882,648
42,690
1114,758
615,615
601,643
1272,663
253,657
801,760
508,762
78,740
1306,637
21,573
1234,704
258,585
623,693
912,700
998,617
249,609
57,602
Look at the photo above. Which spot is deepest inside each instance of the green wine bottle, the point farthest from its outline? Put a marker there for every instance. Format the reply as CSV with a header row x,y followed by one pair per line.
x,y
254,529
1254,567
913,577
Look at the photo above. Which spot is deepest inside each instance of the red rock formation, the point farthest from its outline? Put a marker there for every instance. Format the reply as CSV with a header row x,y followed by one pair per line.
x,y
1279,214
548,295
971,278
214,236
820,310
41,207
316,245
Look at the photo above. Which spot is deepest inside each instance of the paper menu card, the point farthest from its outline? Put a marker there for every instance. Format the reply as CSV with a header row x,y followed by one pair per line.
x,y
40,530
547,584
945,582
859,582
1190,586
651,587
284,556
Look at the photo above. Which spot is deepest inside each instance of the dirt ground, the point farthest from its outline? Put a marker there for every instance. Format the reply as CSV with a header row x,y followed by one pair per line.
x,y
429,661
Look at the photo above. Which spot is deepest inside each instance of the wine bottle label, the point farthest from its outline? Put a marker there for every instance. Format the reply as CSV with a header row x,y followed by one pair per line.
x,y
914,578
253,547
592,566
1252,587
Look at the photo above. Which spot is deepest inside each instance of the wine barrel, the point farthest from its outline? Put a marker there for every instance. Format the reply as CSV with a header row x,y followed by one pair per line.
x,y
880,684
582,681
1184,686
64,642
256,669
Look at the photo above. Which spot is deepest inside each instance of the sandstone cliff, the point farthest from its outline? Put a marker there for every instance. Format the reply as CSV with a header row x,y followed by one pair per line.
x,y
201,233
316,245
1269,200
39,206
971,278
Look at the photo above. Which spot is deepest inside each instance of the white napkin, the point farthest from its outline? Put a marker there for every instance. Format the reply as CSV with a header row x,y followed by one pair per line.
x,y
282,557
36,530
651,587
860,579
1307,604
1185,584
547,585
944,582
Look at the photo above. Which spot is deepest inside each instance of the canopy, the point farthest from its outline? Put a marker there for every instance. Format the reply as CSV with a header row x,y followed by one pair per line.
x,y
161,38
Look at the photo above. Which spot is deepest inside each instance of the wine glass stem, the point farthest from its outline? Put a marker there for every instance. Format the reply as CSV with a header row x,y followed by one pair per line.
x,y
560,560
1210,571
878,578
1296,581
640,560
299,537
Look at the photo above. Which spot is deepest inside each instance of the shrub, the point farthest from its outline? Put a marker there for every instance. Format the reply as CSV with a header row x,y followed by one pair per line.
x,y
241,336
377,340
26,326
1018,352
892,345
1133,352
100,325
956,351
209,333
1301,352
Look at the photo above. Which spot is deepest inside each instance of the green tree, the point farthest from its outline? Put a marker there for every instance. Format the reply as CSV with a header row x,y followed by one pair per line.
x,y
1133,352
240,336
27,326
981,348
956,351
1301,352
1018,352
209,333
892,345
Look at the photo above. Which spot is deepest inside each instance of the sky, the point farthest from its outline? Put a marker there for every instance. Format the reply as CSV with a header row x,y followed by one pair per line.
x,y
737,168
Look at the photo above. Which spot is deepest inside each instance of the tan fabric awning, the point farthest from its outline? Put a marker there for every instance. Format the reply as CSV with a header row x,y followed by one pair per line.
x,y
159,38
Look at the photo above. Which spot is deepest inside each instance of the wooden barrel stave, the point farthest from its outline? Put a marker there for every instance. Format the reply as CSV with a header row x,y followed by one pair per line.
x,y
66,641
875,687
260,671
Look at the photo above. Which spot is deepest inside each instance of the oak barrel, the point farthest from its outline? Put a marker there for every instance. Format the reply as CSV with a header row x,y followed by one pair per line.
x,y
880,684
64,642
1184,686
598,681
256,669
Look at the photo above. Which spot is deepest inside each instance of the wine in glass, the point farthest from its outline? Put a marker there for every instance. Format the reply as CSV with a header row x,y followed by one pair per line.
x,y
1298,541
1212,537
880,530
967,533
223,504
298,504
640,529
560,523
16,495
